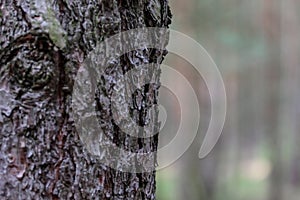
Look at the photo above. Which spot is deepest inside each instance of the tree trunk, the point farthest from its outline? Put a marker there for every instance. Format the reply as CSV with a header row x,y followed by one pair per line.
x,y
273,74
42,45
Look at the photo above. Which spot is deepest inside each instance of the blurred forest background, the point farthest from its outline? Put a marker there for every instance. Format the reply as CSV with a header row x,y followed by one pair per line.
x,y
256,45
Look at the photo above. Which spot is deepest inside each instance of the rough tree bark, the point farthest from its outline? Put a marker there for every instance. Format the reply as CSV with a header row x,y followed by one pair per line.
x,y
42,44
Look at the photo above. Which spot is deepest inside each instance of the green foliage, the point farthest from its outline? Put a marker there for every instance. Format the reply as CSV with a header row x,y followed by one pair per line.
x,y
240,187
166,186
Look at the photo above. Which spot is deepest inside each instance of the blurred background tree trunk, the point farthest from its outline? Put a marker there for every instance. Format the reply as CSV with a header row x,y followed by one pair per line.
x,y
273,74
42,45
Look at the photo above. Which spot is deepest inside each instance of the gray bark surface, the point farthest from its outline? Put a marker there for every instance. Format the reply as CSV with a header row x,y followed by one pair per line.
x,y
42,44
